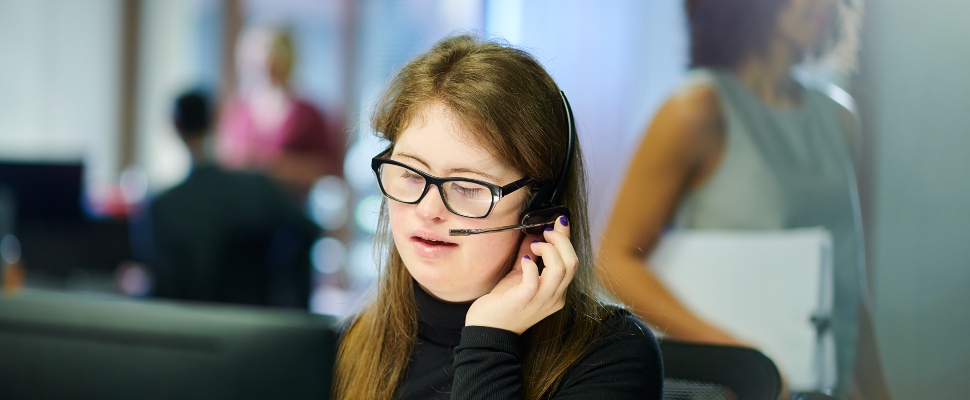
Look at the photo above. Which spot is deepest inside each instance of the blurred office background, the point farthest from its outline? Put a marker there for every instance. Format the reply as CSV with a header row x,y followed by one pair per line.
x,y
86,86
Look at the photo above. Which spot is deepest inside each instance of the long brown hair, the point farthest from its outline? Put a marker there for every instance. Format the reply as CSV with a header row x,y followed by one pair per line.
x,y
512,107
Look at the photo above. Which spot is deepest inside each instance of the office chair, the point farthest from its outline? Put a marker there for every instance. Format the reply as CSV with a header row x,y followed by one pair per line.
x,y
698,371
812,396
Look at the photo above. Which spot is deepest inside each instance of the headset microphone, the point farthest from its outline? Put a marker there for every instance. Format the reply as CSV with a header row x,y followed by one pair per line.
x,y
546,204
528,227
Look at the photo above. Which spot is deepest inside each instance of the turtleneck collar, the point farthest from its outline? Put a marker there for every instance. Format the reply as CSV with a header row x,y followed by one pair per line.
x,y
439,321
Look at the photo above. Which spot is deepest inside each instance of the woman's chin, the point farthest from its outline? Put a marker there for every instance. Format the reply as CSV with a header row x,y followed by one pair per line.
x,y
445,290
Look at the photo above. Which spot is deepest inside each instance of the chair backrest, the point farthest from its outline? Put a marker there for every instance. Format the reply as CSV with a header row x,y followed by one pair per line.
x,y
762,287
707,372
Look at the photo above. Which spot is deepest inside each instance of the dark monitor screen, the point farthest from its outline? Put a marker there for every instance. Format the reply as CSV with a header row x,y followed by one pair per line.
x,y
76,346
44,190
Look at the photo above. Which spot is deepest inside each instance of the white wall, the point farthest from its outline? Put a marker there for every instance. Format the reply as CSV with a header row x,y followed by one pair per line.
x,y
166,69
59,83
617,61
918,74
59,62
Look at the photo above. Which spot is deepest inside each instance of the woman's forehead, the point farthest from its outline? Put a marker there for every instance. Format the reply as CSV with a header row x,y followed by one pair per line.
x,y
437,138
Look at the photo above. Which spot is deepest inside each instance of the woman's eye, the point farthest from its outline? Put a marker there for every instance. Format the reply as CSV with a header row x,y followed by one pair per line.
x,y
472,192
412,177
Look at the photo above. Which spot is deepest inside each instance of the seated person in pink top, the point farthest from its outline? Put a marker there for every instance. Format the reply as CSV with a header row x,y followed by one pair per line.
x,y
264,126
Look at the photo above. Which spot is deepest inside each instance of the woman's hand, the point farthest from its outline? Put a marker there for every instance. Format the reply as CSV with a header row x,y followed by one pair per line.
x,y
524,296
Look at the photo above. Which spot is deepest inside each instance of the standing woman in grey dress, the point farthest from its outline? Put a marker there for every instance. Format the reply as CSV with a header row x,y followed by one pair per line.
x,y
743,144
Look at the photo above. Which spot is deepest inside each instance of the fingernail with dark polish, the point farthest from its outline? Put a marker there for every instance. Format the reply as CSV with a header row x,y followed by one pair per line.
x,y
535,241
564,221
549,228
527,258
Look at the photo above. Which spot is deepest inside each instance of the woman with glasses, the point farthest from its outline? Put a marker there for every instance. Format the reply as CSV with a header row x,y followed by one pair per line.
x,y
746,144
486,288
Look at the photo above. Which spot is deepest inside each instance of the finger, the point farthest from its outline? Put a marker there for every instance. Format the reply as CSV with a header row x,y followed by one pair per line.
x,y
562,225
530,278
553,273
559,237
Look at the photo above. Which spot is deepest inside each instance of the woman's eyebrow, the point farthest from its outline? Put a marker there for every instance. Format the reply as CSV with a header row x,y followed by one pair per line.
x,y
413,157
488,176
477,172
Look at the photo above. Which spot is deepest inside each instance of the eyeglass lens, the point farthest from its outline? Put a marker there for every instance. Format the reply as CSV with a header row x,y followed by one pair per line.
x,y
465,198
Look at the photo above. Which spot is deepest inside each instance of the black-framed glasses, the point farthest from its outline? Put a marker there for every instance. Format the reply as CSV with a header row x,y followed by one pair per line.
x,y
470,198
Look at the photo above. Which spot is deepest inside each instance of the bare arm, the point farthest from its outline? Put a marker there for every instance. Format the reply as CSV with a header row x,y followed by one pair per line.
x,y
678,150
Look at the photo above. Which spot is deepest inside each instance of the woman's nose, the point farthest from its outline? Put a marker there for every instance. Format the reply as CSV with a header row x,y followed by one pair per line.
x,y
432,205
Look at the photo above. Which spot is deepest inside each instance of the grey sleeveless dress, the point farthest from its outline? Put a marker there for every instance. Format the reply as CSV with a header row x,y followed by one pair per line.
x,y
788,168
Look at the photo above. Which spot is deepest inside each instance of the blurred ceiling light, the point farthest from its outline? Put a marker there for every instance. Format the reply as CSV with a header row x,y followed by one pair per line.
x,y
367,212
328,255
134,185
357,163
10,249
329,202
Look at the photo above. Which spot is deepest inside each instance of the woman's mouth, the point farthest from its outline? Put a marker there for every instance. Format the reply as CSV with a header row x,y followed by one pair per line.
x,y
431,247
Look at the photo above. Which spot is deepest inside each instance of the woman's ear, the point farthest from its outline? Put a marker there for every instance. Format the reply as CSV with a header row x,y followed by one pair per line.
x,y
525,247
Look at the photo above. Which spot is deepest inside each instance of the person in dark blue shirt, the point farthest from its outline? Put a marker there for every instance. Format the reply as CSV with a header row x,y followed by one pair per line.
x,y
224,236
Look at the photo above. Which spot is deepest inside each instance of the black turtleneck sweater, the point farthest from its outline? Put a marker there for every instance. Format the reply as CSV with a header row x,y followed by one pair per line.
x,y
454,361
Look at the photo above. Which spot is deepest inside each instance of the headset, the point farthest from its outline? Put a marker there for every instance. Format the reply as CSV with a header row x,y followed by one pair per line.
x,y
546,203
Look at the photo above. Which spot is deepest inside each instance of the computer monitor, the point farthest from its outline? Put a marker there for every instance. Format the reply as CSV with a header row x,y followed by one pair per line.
x,y
44,190
78,346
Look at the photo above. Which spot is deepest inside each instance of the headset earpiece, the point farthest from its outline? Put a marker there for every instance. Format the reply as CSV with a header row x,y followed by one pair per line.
x,y
546,204
544,215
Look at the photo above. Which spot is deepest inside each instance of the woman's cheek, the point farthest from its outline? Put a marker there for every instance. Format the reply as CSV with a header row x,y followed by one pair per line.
x,y
396,218
498,249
